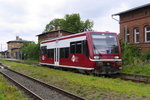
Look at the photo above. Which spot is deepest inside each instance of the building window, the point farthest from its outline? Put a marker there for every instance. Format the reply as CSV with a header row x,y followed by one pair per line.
x,y
127,34
136,35
147,34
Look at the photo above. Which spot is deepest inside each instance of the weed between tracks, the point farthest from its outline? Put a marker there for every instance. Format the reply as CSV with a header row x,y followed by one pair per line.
x,y
89,87
9,92
137,69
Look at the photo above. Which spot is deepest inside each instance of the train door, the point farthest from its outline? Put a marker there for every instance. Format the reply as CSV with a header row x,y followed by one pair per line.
x,y
56,54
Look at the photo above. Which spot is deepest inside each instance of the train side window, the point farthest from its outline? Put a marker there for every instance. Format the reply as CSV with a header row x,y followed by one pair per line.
x,y
72,47
43,50
50,53
85,48
64,52
79,47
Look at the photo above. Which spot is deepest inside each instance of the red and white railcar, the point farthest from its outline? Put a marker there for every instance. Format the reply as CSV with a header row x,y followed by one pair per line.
x,y
98,52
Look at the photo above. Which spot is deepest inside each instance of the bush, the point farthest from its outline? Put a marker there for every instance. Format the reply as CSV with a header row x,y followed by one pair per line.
x,y
30,50
146,56
130,53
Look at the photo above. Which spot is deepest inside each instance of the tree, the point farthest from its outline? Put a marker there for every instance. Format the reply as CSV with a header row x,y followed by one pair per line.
x,y
87,26
72,23
54,25
30,50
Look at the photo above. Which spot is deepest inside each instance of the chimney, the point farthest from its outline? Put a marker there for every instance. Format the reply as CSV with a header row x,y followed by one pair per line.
x,y
17,37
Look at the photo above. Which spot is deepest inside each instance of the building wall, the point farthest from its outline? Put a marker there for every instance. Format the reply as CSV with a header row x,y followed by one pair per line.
x,y
52,35
13,45
136,19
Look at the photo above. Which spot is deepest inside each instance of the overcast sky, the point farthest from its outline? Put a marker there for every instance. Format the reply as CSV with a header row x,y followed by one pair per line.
x,y
27,18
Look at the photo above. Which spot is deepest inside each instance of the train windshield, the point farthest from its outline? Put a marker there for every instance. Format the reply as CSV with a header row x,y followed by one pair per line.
x,y
105,43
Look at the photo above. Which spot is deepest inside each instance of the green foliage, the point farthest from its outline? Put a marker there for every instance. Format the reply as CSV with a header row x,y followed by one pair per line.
x,y
130,53
30,50
54,24
8,92
146,56
134,61
89,87
71,22
143,69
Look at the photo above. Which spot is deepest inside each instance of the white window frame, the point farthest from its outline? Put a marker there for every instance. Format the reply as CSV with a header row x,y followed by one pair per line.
x,y
135,35
146,33
127,33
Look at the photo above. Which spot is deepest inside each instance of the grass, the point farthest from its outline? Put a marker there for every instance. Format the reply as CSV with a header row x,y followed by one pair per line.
x,y
89,87
31,60
9,92
137,69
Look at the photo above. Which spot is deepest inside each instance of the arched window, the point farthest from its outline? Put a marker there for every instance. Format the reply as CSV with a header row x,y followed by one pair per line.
x,y
136,35
147,34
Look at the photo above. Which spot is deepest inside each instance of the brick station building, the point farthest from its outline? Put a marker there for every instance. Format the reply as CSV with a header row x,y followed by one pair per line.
x,y
14,47
135,26
53,34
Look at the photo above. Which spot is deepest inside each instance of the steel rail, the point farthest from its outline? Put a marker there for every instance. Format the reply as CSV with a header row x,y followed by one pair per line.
x,y
61,91
35,96
135,77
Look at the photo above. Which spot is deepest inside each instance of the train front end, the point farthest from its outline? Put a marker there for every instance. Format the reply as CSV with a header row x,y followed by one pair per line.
x,y
105,53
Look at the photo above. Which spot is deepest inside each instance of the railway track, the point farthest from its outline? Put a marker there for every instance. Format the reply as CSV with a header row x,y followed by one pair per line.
x,y
37,89
123,76
135,78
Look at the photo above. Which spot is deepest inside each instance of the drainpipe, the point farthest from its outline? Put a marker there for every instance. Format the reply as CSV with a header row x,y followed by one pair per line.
x,y
115,18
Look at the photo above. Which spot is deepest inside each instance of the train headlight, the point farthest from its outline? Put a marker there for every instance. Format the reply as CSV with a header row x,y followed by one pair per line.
x,y
116,57
96,57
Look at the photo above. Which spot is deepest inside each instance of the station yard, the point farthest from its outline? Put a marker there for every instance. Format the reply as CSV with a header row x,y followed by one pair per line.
x,y
89,87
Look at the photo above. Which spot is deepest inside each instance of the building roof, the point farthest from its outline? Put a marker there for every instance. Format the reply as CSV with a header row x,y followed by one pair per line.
x,y
16,48
139,7
53,32
3,51
19,41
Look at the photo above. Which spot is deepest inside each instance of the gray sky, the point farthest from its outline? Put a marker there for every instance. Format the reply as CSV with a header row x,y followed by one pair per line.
x,y
27,18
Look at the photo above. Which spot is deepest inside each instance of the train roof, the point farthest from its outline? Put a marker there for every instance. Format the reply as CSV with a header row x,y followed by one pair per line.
x,y
72,35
